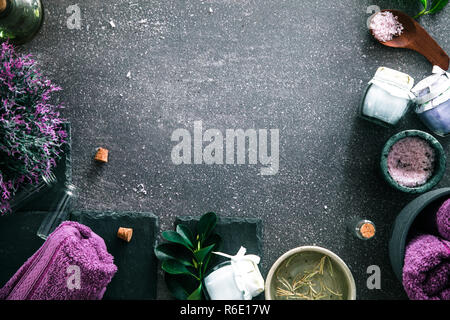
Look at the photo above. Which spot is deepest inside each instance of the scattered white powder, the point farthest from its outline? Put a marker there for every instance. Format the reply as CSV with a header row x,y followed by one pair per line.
x,y
385,26
411,161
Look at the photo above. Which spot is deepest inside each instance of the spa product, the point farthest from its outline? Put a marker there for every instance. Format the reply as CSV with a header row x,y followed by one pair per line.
x,y
411,161
406,166
362,229
237,279
20,20
385,26
387,97
432,99
315,284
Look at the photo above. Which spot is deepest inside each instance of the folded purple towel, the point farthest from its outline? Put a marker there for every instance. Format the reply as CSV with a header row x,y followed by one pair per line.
x,y
426,272
443,220
72,264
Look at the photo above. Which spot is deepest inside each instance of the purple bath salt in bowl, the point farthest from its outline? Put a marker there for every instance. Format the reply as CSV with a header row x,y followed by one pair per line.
x,y
411,161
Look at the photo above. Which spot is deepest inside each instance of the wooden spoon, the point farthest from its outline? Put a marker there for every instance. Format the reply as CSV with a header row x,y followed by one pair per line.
x,y
416,38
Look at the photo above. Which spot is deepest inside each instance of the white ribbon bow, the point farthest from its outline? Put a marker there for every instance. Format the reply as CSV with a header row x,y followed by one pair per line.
x,y
246,272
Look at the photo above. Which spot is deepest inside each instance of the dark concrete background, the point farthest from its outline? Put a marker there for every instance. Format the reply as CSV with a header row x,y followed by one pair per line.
x,y
297,66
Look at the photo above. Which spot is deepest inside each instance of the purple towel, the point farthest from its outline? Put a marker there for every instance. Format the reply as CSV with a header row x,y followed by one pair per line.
x,y
426,272
72,264
443,220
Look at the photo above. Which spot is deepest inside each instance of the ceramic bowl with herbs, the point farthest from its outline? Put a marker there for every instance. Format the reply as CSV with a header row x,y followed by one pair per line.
x,y
413,161
310,273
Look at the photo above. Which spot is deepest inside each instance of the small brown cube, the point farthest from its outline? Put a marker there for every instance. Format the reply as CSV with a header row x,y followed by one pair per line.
x,y
125,234
101,155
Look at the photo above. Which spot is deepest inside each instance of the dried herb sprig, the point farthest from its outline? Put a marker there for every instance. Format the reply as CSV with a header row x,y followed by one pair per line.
x,y
304,285
31,133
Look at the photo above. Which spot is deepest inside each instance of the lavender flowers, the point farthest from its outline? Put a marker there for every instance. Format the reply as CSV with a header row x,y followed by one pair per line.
x,y
31,134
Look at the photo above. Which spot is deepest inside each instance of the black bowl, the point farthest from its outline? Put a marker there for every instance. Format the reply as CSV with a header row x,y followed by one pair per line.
x,y
403,223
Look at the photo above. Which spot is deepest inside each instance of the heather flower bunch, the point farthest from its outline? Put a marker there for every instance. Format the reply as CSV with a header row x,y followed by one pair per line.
x,y
31,133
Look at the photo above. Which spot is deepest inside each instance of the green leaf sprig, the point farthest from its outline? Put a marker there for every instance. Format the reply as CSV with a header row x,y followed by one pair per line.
x,y
185,257
432,6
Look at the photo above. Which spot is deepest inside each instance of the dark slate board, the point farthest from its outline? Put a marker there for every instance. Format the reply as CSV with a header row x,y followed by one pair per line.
x,y
235,232
18,241
136,262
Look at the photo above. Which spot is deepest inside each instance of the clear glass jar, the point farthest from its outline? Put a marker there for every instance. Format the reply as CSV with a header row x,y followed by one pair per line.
x,y
30,191
432,99
20,20
58,212
387,97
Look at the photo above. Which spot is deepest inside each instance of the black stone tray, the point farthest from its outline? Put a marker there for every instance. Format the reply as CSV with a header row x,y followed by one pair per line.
x,y
18,241
235,232
136,261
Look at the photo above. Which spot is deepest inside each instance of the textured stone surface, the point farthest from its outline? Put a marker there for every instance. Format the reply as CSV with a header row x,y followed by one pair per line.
x,y
136,263
297,66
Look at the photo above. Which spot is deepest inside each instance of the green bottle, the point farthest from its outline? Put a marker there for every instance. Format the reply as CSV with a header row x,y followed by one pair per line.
x,y
20,20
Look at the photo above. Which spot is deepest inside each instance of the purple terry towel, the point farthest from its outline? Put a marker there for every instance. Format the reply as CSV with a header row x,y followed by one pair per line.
x,y
443,220
426,272
72,264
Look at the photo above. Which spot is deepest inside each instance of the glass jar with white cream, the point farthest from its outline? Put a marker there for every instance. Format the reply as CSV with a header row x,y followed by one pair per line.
x,y
387,97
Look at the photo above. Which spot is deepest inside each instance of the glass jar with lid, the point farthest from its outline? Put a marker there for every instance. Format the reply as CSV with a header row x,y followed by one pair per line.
x,y
432,99
387,97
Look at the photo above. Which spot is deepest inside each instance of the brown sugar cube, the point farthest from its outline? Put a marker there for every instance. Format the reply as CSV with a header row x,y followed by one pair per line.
x,y
125,234
101,155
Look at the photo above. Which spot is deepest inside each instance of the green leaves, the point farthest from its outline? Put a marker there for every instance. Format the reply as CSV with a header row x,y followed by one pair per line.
x,y
176,237
173,266
435,6
206,225
186,256
438,6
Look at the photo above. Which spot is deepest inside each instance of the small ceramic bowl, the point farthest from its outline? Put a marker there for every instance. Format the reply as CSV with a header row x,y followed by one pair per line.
x,y
297,260
440,161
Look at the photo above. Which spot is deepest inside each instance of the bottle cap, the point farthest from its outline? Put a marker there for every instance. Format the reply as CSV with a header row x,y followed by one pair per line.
x,y
367,230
